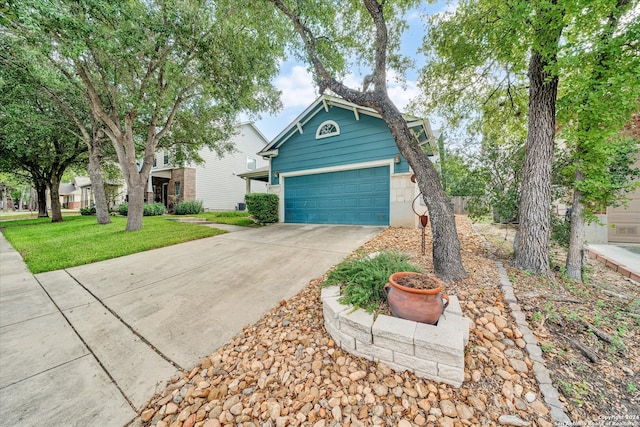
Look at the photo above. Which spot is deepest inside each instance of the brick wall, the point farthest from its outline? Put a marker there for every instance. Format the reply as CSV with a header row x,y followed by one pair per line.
x,y
187,179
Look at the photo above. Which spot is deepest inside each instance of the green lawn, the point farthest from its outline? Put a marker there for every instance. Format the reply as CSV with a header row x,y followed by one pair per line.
x,y
228,217
78,240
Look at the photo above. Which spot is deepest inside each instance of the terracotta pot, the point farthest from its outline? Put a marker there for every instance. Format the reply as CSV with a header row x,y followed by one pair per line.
x,y
419,305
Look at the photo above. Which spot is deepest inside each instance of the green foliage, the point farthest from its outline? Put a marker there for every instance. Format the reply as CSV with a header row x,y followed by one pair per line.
x,y
560,230
158,74
88,211
188,207
263,207
123,209
153,209
240,218
363,279
461,175
150,209
78,240
491,179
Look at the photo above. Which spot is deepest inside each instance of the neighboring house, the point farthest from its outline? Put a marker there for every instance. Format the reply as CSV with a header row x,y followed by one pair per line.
x,y
79,194
215,182
69,195
337,163
624,221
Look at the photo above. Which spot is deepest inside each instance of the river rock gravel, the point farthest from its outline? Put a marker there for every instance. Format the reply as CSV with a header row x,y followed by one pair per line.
x,y
285,370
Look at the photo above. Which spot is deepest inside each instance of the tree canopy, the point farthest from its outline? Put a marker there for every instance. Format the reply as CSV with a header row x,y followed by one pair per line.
x,y
36,140
159,74
500,65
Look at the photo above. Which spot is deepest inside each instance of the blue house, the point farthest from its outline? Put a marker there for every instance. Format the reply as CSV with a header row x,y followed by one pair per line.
x,y
337,163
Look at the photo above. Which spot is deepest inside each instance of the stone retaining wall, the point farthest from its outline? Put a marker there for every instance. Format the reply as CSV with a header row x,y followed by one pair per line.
x,y
432,352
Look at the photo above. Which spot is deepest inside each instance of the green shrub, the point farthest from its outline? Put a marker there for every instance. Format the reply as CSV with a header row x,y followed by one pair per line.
x,y
188,207
123,209
150,209
153,209
88,211
363,279
263,207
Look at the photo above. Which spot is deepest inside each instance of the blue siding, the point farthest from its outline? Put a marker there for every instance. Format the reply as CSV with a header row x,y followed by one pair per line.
x,y
359,196
364,140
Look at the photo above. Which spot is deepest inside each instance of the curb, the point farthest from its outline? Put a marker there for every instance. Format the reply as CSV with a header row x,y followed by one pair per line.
x,y
613,265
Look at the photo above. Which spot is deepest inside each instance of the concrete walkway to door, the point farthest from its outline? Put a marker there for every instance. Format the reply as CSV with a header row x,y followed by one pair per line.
x,y
90,345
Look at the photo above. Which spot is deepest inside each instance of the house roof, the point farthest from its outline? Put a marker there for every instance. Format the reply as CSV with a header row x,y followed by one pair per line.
x,y
253,125
260,174
421,127
82,181
66,188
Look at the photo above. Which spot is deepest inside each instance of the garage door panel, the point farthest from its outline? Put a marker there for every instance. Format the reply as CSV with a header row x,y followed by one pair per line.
x,y
358,196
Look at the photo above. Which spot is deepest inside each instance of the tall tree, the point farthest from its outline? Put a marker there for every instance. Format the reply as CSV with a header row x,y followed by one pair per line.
x,y
598,96
35,70
534,234
368,31
480,57
35,139
147,67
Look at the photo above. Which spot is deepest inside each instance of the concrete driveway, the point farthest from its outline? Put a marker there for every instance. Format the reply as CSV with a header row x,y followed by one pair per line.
x,y
90,345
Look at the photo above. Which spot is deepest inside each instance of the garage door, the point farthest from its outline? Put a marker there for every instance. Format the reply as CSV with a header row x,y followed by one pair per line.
x,y
359,196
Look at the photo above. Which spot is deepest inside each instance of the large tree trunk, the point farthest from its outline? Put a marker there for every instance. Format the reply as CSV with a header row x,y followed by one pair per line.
x,y
41,191
447,261
56,206
97,185
532,249
575,255
137,188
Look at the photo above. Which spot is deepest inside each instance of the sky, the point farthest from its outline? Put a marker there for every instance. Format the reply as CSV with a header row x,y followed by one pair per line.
x,y
298,90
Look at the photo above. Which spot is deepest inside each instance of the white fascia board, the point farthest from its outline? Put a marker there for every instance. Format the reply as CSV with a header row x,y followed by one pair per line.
x,y
339,168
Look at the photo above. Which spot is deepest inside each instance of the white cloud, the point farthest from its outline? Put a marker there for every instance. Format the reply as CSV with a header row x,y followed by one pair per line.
x,y
297,87
401,96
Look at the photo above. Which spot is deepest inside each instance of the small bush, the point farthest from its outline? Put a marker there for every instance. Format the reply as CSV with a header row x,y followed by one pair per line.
x,y
88,211
123,209
150,209
363,279
263,207
153,209
188,207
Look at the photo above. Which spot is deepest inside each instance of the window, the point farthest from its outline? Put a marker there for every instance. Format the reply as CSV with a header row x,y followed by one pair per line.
x,y
166,158
251,164
177,185
328,128
155,160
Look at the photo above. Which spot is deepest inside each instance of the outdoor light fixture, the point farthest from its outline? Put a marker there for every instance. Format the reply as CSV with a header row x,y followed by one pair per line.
x,y
396,159
276,174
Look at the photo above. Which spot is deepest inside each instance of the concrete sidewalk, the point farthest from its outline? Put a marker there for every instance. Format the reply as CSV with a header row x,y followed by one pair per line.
x,y
90,345
623,258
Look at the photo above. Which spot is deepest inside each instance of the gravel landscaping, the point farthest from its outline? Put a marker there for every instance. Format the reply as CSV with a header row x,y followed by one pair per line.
x,y
286,370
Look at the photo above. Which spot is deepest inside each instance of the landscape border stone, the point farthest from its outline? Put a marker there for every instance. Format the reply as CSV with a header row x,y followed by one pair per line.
x,y
435,352
549,392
